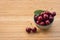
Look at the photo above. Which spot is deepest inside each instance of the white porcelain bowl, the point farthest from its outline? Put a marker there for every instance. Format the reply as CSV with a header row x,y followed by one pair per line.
x,y
43,27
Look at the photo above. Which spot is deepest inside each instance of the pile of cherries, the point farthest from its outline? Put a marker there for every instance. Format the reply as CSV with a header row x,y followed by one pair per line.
x,y
45,18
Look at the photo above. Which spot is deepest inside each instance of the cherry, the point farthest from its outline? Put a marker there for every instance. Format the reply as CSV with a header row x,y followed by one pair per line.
x,y
34,30
41,23
35,17
51,17
48,13
54,14
47,22
28,30
37,22
45,16
51,20
39,18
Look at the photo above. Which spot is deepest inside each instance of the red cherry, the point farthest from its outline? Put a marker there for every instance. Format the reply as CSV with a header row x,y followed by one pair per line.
x,y
35,18
54,14
47,22
34,30
51,20
41,23
51,17
39,18
48,13
37,22
45,16
28,30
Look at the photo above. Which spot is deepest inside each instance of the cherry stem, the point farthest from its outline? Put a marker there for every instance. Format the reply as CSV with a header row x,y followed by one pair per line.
x,y
51,8
31,24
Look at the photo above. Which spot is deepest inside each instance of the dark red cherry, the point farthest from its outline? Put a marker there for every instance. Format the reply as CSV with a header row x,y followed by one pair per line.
x,y
54,14
50,17
35,18
28,30
42,23
37,22
39,18
47,22
45,16
34,30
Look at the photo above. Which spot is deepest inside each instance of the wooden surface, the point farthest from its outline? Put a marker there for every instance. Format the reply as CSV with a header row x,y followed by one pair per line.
x,y
16,15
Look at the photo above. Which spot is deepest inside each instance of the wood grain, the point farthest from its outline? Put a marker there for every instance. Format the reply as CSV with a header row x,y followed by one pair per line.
x,y
16,15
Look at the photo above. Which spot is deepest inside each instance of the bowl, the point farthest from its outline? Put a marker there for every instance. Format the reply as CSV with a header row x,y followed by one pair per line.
x,y
45,26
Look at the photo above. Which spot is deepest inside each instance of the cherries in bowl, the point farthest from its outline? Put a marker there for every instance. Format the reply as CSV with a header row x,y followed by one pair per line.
x,y
44,19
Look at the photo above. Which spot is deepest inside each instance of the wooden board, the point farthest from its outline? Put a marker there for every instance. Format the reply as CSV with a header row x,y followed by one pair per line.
x,y
16,15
